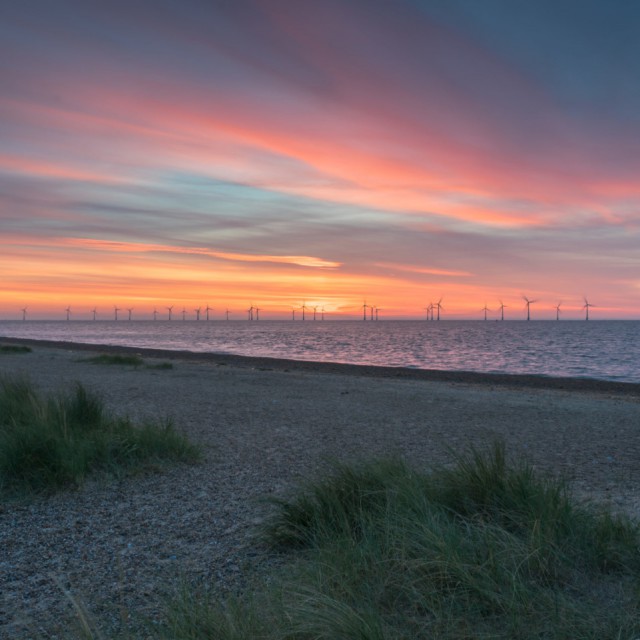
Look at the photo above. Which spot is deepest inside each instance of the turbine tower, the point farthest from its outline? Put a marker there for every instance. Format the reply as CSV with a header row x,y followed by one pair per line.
x,y
115,311
207,309
24,314
170,309
365,306
130,312
485,309
95,313
587,304
528,303
377,311
155,313
250,312
184,314
293,313
322,314
304,308
502,308
227,314
438,307
68,310
257,314
197,313
558,310
315,311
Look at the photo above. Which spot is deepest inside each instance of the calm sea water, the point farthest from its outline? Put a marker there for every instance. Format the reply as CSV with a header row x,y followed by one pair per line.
x,y
603,349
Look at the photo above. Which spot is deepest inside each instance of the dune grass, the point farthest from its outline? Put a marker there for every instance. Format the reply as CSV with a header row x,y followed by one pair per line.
x,y
126,360
50,442
14,348
486,549
115,359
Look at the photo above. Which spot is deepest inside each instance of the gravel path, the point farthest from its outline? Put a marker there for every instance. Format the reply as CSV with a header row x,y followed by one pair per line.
x,y
119,548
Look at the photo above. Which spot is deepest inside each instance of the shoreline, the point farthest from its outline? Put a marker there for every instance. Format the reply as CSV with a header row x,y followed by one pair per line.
x,y
511,380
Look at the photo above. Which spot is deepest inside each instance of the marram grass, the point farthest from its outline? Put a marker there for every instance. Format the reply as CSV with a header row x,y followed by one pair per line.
x,y
14,348
50,442
115,359
486,549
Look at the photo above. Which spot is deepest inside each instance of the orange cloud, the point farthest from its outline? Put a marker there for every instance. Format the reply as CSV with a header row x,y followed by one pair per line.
x,y
426,271
138,247
59,171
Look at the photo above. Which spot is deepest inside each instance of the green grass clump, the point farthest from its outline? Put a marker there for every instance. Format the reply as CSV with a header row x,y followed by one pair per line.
x,y
48,443
14,348
486,549
160,366
115,358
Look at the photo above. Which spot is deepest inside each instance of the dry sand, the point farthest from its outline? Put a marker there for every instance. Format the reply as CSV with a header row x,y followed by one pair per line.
x,y
120,547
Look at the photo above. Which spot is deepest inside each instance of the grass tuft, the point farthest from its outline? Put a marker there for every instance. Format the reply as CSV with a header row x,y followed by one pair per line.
x,y
14,348
115,359
49,443
160,366
485,549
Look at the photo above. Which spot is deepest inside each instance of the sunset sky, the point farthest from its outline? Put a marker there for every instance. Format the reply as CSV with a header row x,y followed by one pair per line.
x,y
239,152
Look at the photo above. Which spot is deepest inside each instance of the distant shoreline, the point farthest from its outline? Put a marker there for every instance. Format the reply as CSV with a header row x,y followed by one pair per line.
x,y
526,381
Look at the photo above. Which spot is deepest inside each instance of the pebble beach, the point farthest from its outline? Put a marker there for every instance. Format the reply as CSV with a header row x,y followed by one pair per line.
x,y
116,550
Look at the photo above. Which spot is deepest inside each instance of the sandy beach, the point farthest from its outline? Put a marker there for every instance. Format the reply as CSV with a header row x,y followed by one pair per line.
x,y
120,548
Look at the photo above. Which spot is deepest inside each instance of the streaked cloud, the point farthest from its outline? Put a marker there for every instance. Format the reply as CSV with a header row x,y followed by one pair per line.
x,y
325,149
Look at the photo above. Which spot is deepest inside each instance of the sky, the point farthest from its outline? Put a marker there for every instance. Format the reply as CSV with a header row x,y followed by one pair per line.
x,y
321,152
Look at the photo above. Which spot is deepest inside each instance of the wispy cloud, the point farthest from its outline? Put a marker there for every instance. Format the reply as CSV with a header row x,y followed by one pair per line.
x,y
136,247
423,270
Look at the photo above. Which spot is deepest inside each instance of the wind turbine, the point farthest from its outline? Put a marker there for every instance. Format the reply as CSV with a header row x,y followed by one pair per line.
x,y
315,311
170,309
155,313
24,314
68,310
250,312
208,308
428,310
372,309
304,308
95,313
322,314
377,310
257,314
438,306
558,310
587,304
227,313
528,302
365,306
502,308
293,313
115,311
485,309
197,313
130,312
184,314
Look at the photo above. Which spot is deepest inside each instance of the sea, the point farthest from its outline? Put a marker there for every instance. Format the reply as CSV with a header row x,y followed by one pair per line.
x,y
597,349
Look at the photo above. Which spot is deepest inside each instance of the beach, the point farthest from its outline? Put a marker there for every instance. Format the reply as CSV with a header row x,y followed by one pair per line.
x,y
119,548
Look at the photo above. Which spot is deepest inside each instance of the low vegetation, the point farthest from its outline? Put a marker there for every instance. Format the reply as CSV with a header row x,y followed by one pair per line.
x,y
14,348
486,549
115,359
50,442
160,366
126,360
